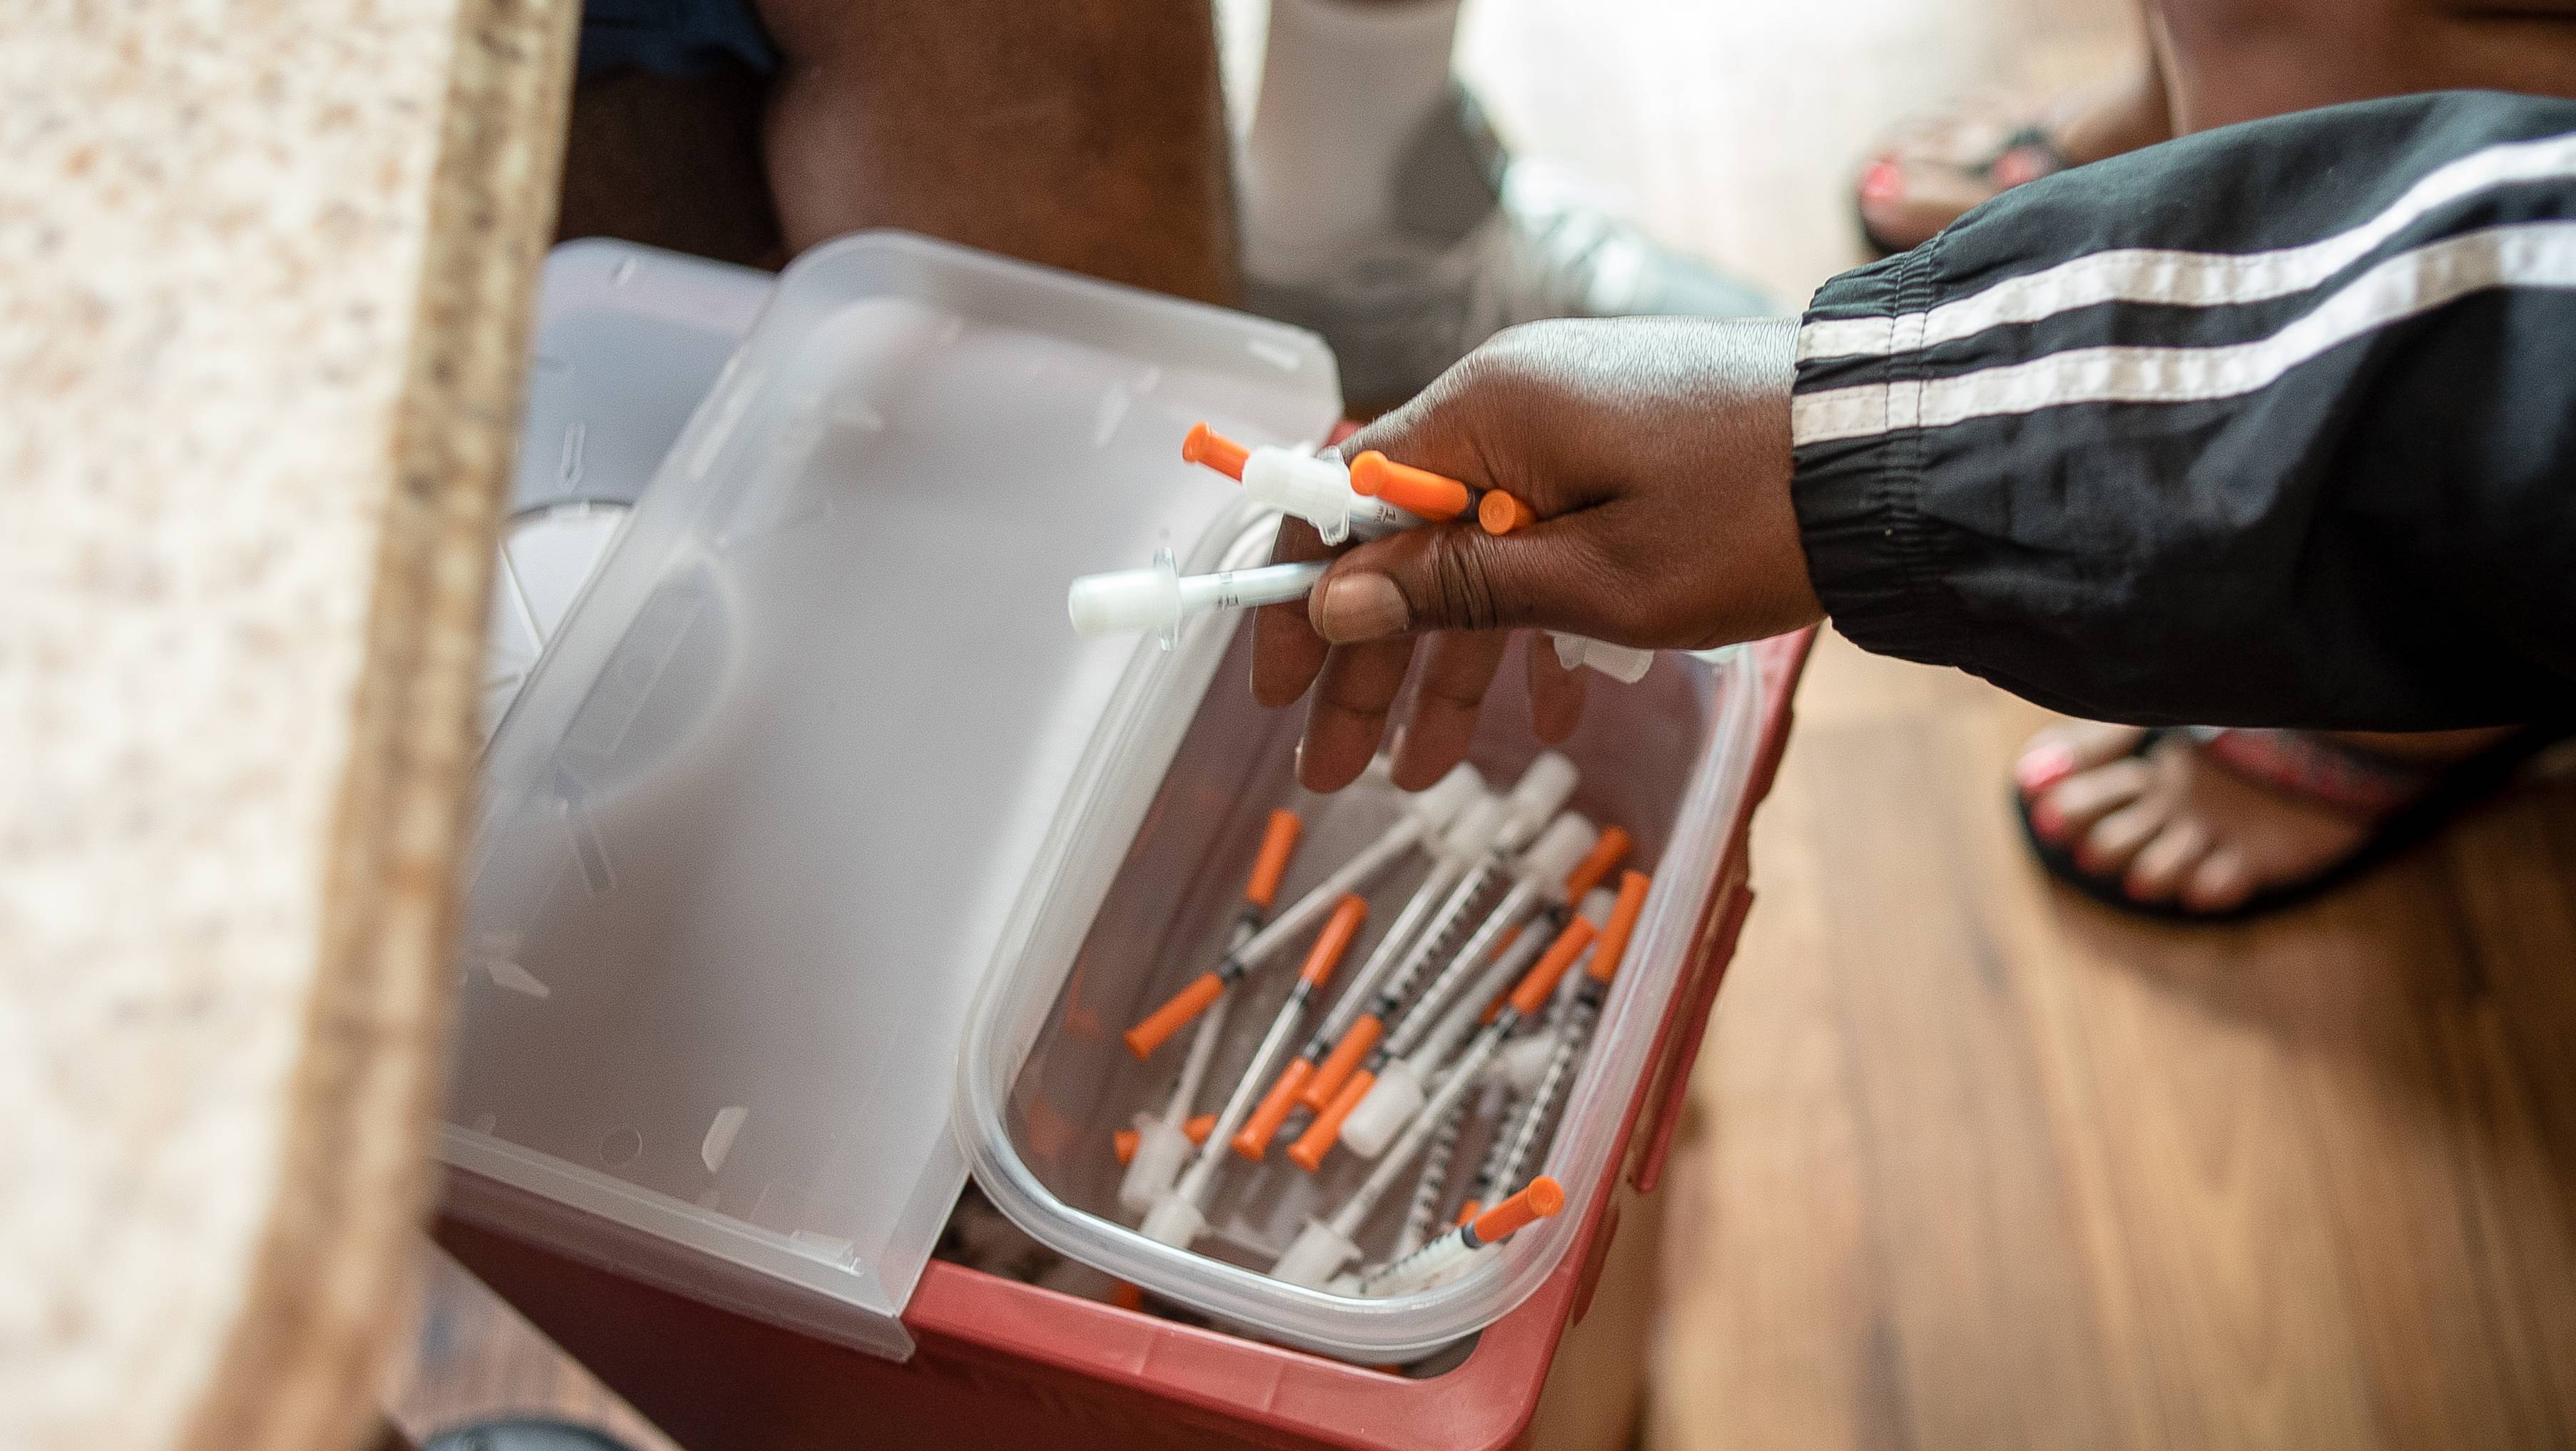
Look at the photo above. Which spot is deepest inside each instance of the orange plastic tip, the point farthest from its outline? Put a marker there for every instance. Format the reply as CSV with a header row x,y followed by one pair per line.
x,y
1543,1198
1254,1139
1205,445
1623,920
1337,1065
1467,1212
1199,1127
1501,513
1126,1295
1278,843
1320,1136
1334,940
1124,1141
1171,1017
1539,981
1606,853
1418,491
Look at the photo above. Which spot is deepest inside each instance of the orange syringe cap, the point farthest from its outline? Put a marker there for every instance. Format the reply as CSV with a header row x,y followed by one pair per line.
x,y
1278,844
1320,1136
1253,1140
1501,513
1540,1200
1607,852
1336,1068
1204,445
1160,1024
1334,940
1540,981
1623,921
1416,491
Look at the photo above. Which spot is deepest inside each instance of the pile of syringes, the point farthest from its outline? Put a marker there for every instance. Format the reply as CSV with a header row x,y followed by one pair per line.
x,y
1467,1022
1369,498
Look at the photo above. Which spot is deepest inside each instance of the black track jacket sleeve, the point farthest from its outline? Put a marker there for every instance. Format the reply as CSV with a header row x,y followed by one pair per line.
x,y
2274,424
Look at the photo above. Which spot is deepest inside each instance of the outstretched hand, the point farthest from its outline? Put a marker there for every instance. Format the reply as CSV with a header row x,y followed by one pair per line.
x,y
1655,452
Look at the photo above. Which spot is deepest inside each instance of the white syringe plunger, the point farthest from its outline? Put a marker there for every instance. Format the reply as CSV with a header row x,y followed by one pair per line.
x,y
1536,797
1158,597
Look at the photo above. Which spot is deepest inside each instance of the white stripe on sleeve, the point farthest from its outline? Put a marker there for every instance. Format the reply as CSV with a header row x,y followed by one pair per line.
x,y
2525,254
2187,279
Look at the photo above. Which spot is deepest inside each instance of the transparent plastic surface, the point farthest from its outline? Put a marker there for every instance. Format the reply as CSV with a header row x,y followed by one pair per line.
x,y
750,831
1135,893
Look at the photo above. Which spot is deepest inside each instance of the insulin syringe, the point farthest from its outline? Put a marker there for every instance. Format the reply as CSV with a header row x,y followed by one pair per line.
x,y
1180,1216
1557,871
1374,496
1158,597
1357,1022
1542,1199
1325,1245
1426,815
1163,1140
1520,1135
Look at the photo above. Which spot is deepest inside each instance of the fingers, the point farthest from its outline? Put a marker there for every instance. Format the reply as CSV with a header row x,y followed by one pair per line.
x,y
1353,694
1286,651
1556,693
1456,672
1457,577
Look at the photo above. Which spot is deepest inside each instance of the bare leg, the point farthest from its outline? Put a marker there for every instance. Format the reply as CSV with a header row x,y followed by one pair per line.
x,y
670,162
1084,134
1928,174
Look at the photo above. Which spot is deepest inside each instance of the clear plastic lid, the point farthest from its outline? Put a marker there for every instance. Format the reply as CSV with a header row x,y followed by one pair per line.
x,y
751,829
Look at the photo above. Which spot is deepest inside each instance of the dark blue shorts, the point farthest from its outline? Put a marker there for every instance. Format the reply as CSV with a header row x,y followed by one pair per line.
x,y
674,37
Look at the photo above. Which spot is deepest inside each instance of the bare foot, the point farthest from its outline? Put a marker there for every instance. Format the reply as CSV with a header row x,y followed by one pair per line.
x,y
2205,825
1930,172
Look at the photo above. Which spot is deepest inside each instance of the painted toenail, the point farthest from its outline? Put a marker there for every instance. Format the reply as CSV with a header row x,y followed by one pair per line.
x,y
1883,182
2043,766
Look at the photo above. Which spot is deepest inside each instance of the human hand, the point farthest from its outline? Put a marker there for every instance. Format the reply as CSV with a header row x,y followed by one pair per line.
x,y
1655,452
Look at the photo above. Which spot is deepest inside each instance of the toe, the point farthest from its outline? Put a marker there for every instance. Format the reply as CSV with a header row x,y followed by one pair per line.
x,y
2113,842
2067,809
2059,751
2223,881
2167,860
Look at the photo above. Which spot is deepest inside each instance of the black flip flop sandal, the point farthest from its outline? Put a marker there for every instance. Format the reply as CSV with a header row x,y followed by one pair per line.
x,y
2047,158
2439,795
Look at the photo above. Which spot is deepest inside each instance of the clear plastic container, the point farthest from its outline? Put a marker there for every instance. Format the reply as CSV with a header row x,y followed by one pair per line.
x,y
1134,893
815,757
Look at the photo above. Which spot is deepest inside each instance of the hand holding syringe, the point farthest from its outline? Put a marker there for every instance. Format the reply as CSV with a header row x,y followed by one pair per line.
x,y
1369,498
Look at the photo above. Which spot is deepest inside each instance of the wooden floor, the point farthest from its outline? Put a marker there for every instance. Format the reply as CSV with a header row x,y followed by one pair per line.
x,y
1973,1164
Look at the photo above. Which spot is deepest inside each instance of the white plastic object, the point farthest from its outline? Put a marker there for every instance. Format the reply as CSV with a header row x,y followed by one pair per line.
x,y
1473,835
1624,663
1439,803
1541,792
1175,1220
1317,489
1161,1149
1389,1105
1158,597
1557,852
1519,1064
1316,1256
1162,1141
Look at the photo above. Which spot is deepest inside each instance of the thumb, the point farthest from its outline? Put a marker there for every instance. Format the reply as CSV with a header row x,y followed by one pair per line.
x,y
1457,577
